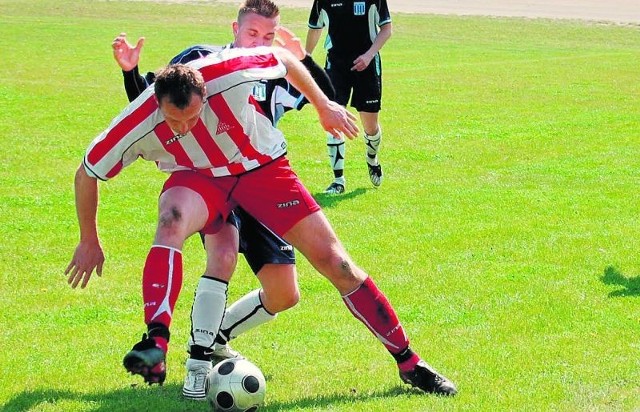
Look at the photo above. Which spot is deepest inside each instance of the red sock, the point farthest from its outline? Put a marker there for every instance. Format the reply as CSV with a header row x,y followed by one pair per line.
x,y
371,306
162,343
161,284
409,364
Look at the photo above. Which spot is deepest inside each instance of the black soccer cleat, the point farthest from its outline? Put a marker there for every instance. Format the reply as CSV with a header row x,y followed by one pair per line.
x,y
424,377
336,187
375,174
147,360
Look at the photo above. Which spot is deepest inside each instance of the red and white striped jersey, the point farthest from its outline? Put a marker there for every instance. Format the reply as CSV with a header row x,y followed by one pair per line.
x,y
230,137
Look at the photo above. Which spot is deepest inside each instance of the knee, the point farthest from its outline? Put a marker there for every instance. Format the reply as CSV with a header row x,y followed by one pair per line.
x,y
170,222
280,302
337,265
221,262
342,272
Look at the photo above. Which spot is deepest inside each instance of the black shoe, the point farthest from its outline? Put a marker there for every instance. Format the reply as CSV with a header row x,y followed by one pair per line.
x,y
375,174
336,187
147,360
426,378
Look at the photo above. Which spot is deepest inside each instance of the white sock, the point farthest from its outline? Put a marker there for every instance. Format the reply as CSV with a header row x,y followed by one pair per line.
x,y
207,311
246,313
337,151
373,144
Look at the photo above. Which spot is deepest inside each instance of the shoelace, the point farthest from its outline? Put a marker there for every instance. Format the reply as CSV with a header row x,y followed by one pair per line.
x,y
199,380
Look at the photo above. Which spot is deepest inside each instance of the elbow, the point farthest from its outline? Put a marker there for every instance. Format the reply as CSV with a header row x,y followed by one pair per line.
x,y
81,173
82,177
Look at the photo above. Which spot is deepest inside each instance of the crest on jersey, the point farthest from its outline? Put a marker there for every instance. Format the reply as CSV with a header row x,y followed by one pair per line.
x,y
358,8
259,91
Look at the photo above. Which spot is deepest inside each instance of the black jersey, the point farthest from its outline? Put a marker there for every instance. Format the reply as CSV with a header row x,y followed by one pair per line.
x,y
353,24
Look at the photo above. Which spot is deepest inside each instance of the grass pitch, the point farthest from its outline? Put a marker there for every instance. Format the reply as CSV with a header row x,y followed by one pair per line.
x,y
505,232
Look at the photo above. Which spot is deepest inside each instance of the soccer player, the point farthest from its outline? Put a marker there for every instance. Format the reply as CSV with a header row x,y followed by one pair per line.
x,y
196,124
357,30
270,257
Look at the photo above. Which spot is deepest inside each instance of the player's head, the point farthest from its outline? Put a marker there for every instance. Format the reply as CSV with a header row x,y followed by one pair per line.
x,y
180,93
256,24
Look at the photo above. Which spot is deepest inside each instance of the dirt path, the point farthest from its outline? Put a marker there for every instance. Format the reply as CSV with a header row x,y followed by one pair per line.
x,y
619,11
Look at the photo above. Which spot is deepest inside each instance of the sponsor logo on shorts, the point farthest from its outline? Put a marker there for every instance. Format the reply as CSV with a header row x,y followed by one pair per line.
x,y
358,8
372,101
290,203
286,248
336,4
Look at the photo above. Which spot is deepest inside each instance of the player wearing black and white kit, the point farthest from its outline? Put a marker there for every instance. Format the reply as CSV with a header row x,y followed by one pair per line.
x,y
357,30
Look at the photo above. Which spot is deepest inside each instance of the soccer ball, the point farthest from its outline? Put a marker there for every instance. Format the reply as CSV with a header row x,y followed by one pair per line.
x,y
236,385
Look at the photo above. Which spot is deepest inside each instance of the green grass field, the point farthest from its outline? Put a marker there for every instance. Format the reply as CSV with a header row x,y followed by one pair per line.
x,y
505,234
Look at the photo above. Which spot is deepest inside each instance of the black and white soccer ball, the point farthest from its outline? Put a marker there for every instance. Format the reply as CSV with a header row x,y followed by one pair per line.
x,y
236,385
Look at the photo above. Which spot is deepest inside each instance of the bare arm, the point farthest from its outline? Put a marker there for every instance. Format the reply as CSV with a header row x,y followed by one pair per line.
x,y
334,118
363,61
88,254
313,36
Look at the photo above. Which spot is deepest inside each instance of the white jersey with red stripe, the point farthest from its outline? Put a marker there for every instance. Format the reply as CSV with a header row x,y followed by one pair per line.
x,y
229,138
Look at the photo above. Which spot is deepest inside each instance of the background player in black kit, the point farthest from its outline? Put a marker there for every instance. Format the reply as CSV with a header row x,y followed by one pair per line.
x,y
357,30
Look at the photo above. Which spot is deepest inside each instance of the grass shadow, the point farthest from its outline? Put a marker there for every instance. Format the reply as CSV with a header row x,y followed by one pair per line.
x,y
169,398
327,402
133,398
328,201
631,285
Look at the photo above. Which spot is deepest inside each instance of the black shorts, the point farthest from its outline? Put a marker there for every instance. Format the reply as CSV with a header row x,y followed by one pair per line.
x,y
366,85
259,245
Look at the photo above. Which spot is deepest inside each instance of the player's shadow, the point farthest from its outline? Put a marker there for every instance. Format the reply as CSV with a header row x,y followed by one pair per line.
x,y
169,398
328,201
157,399
630,285
328,402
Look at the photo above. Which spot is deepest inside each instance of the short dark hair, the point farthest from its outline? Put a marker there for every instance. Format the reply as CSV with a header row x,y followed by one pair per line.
x,y
264,8
178,83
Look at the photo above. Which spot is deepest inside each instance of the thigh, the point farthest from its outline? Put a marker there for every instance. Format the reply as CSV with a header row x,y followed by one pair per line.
x,y
211,193
314,237
275,196
260,245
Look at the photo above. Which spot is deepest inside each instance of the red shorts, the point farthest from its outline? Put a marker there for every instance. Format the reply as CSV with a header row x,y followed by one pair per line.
x,y
273,194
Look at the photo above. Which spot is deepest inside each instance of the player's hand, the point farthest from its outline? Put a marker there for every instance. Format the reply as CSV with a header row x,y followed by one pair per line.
x,y
362,62
287,39
126,55
338,121
87,257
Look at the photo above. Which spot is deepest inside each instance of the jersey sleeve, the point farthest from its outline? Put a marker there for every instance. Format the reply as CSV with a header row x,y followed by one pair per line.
x,y
383,13
194,53
231,67
317,16
117,146
134,83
